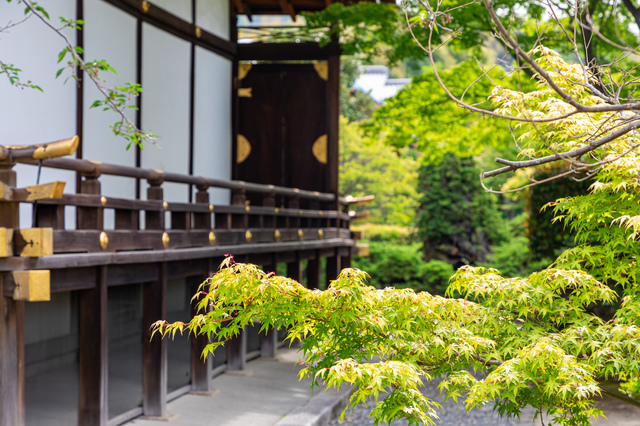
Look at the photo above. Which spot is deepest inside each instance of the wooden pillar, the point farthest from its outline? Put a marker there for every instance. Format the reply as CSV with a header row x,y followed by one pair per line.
x,y
94,354
154,352
294,270
200,368
269,340
345,262
333,267
237,346
11,327
313,272
333,127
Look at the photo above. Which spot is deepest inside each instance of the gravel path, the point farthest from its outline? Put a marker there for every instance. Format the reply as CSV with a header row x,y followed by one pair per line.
x,y
451,414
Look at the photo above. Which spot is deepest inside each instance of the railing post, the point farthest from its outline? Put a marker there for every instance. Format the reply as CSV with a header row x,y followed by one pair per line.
x,y
239,199
90,217
11,326
154,220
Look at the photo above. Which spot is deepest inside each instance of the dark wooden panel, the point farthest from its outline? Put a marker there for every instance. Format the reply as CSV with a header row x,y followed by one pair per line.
x,y
154,352
93,370
305,121
260,121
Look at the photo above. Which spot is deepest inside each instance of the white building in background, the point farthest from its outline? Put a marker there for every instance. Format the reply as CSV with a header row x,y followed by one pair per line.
x,y
374,79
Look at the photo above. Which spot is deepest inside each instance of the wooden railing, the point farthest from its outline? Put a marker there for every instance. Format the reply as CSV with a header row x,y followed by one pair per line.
x,y
44,256
279,222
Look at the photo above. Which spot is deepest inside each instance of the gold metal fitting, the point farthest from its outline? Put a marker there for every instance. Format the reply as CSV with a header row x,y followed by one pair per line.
x,y
212,238
277,210
300,234
198,32
103,200
210,207
276,235
145,6
248,236
104,240
320,233
321,213
165,205
247,208
300,212
165,239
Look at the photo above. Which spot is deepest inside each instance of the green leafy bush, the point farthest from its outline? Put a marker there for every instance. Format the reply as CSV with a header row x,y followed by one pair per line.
x,y
402,266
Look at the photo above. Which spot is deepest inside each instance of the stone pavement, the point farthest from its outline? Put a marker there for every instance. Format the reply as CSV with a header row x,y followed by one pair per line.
x,y
264,394
268,393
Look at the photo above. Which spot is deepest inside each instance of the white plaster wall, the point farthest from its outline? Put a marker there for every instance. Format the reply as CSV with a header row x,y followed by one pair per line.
x,y
180,8
213,16
118,48
165,105
212,127
29,116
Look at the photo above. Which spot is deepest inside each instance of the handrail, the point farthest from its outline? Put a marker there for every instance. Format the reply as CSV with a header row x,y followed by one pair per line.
x,y
96,168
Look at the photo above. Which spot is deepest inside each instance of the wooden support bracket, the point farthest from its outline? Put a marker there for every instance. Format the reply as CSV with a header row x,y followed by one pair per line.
x,y
6,242
43,191
32,286
34,242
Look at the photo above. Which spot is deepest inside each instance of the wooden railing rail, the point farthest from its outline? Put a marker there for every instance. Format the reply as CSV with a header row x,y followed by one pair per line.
x,y
87,167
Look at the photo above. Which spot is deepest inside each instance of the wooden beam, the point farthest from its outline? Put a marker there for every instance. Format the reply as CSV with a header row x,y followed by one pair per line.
x,y
243,8
287,8
94,354
55,149
287,51
75,260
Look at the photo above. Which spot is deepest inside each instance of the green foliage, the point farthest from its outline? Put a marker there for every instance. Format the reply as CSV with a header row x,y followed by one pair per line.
x,y
365,28
355,105
457,220
532,337
402,266
549,238
367,167
421,115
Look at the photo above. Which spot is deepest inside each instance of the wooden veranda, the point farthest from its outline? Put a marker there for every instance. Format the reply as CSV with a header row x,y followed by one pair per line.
x,y
152,242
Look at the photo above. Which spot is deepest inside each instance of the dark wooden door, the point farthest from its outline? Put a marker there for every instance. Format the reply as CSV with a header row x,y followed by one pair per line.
x,y
284,125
